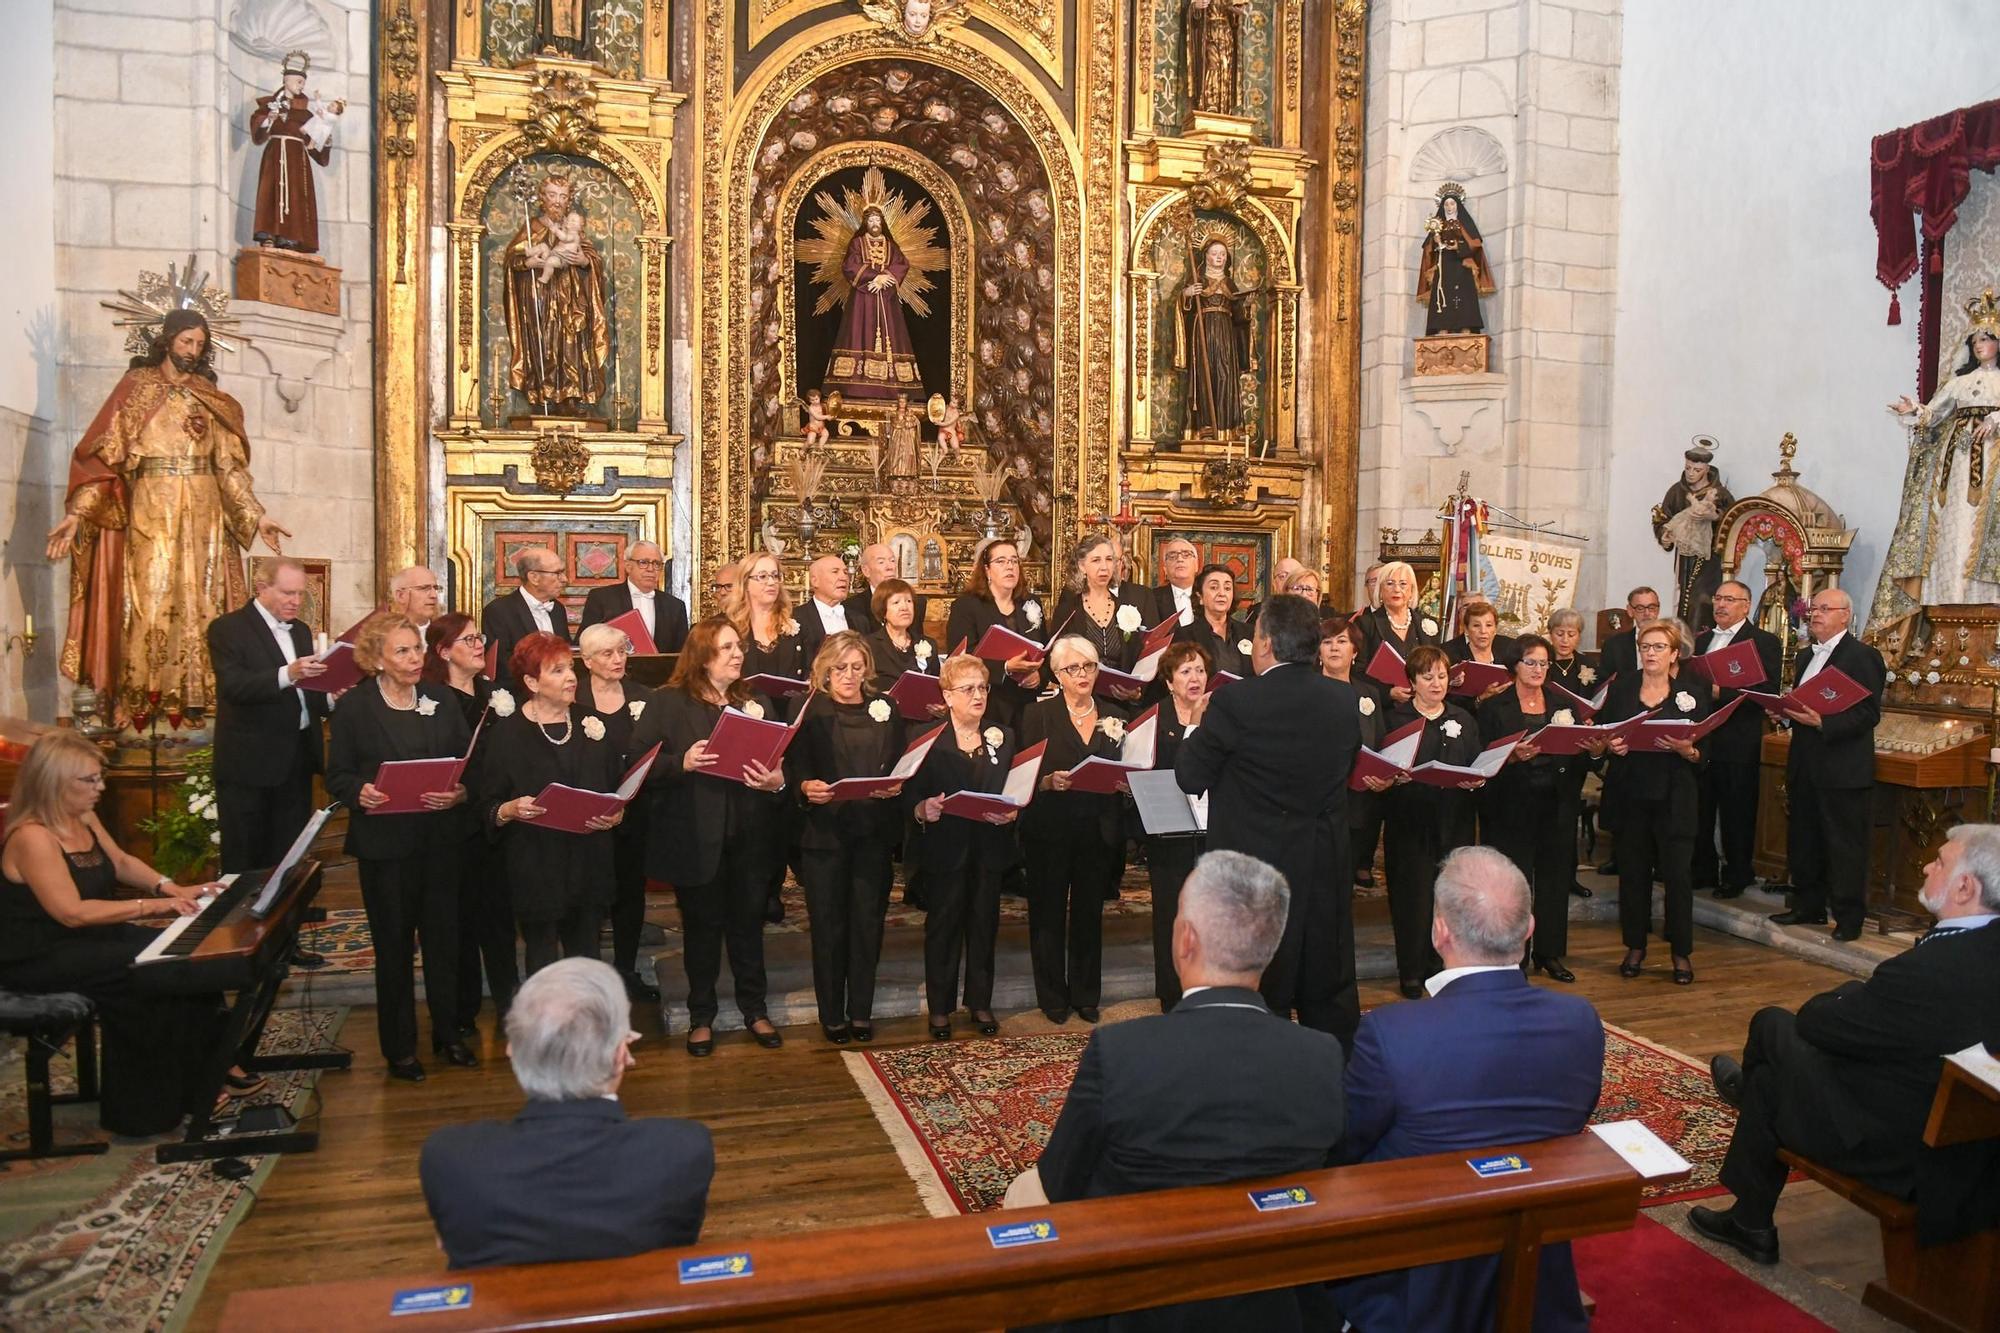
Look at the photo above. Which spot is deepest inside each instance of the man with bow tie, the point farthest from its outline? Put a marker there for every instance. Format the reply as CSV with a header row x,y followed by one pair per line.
x,y
1848,1081
665,615
1729,779
533,607
1830,777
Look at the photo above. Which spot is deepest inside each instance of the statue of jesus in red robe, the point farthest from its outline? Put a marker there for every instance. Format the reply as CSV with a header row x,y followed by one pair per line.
x,y
872,357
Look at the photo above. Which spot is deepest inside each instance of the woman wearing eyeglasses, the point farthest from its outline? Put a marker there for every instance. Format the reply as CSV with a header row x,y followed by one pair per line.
x,y
996,594
1341,644
455,657
761,611
1526,810
1398,622
1185,669
617,703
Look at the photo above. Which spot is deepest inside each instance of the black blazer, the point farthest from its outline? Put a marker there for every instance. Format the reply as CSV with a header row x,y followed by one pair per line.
x,y
1506,648
1619,654
891,661
1115,647
814,756
970,618
789,657
506,621
1502,716
813,632
670,613
1439,817
367,732
691,815
1656,775
1841,750
1273,753
1375,627
1216,1090
1058,816
256,722
1740,740
565,1181
1224,652
946,846
1163,602
861,612
549,872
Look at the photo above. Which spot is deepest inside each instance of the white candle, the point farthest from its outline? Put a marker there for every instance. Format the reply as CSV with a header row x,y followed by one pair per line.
x,y
322,643
31,625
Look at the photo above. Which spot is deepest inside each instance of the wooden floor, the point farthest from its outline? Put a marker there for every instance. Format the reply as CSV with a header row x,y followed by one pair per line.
x,y
796,1145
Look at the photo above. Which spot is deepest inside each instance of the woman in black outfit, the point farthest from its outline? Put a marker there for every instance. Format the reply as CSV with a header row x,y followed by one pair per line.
x,y
1657,800
1577,673
1526,810
1112,623
994,596
560,883
963,860
1073,840
1398,622
898,643
714,839
1482,640
454,658
1341,644
846,845
1185,669
1421,823
617,704
408,862
761,611
63,927
1222,636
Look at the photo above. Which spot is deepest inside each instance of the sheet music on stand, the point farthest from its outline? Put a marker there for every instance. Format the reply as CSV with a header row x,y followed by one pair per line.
x,y
293,855
1164,808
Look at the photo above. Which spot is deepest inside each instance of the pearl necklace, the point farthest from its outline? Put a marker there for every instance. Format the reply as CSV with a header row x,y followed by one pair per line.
x,y
542,729
409,707
1088,710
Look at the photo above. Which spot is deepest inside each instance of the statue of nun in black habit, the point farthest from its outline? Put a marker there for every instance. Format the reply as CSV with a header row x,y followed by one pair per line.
x,y
1454,274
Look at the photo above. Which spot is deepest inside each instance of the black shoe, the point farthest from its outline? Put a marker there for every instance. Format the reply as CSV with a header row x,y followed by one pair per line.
x,y
1794,917
706,1046
468,1032
987,1024
940,1028
307,959
838,1036
1056,1016
1607,868
1556,971
409,1070
636,988
1725,892
1412,990
1847,934
1728,1076
1683,972
1580,891
457,1053
1635,959
1757,1244
1087,1012
771,1040
863,1031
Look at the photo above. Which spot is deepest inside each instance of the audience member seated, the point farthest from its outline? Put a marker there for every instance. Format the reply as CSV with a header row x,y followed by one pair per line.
x,y
1215,1090
1848,1080
571,1176
1489,1060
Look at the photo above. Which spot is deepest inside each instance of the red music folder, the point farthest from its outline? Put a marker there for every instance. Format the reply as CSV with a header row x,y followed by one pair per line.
x,y
1221,678
1013,795
1000,644
1475,678
634,626
1398,752
776,687
1387,667
1652,731
739,738
342,671
856,789
565,808
1464,777
916,694
1829,692
1135,753
1585,706
353,632
407,781
1733,668
1110,680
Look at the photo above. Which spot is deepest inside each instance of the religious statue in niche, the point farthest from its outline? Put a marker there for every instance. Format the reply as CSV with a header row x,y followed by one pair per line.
x,y
1684,524
915,20
556,323
559,27
159,513
1453,274
1946,547
872,253
902,432
296,130
1212,342
1214,37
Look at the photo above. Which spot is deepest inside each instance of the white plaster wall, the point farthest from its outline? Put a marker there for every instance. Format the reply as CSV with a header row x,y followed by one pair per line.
x,y
1747,300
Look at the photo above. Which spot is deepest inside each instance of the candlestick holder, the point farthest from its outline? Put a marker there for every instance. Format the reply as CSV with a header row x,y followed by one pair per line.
x,y
25,639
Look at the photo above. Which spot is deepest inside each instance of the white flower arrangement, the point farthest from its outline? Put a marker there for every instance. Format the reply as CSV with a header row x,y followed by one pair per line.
x,y
426,706
1586,675
215,838
751,708
1112,727
1032,609
1562,717
1684,701
879,709
1451,728
923,651
1430,626
1243,647
502,703
636,707
1367,706
1128,619
593,728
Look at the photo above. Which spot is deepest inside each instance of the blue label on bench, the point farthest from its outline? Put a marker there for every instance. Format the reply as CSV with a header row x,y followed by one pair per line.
x,y
716,1268
1291,1196
1506,1164
1009,1234
427,1300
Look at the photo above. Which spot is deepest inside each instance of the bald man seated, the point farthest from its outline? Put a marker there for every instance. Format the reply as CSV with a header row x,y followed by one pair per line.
x,y
665,615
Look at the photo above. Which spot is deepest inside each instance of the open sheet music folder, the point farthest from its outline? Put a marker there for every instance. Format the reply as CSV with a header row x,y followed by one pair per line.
x,y
1164,809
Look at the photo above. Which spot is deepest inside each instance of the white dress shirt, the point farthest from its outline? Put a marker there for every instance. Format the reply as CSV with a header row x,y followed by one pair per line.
x,y
1183,603
832,618
1451,974
642,602
541,611
1720,638
1820,652
281,630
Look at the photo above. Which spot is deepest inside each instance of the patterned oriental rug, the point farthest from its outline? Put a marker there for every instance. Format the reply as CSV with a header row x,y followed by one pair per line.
x,y
119,1242
967,1117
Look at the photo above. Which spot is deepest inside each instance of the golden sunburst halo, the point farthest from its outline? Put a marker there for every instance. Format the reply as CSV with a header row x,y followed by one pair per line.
x,y
840,218
143,311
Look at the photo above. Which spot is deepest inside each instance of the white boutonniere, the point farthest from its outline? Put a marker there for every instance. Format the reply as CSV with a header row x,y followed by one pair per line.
x,y
502,703
1451,728
751,708
879,710
636,707
1032,609
1243,647
992,736
593,728
1127,619
1586,675
923,651
1562,717
791,630
1112,727
1367,706
1430,626
1684,701
426,706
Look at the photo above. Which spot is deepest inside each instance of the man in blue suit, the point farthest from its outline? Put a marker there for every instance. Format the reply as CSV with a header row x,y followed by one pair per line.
x,y
1488,1060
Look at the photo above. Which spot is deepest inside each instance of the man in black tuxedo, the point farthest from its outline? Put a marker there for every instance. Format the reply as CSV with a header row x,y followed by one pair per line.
x,y
1212,1091
1729,778
572,1176
1848,1081
267,733
531,608
824,611
666,616
1830,777
877,564
1180,560
1273,754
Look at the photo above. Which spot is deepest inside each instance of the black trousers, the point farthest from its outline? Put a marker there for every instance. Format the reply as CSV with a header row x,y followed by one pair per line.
x,y
727,912
1168,861
1325,993
574,934
1656,841
1537,832
485,931
628,904
1827,847
258,824
962,920
1364,834
1728,798
1067,877
411,898
1414,841
1787,1086
847,894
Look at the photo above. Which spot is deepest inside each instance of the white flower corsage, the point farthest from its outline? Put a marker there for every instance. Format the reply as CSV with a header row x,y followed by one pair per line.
x,y
923,652
791,630
1562,717
1243,647
1367,706
1586,675
215,839
426,706
502,703
1684,701
1430,626
636,707
1112,727
1128,618
1451,728
879,709
751,708
593,728
993,736
1032,609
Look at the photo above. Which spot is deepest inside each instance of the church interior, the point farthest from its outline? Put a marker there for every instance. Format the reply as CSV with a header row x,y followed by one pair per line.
x,y
537,305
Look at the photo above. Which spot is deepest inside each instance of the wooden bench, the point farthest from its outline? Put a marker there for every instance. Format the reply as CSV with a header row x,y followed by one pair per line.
x,y
1123,1253
1951,1288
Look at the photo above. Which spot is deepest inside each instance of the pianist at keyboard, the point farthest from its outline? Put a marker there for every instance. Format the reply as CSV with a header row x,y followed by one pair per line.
x,y
65,927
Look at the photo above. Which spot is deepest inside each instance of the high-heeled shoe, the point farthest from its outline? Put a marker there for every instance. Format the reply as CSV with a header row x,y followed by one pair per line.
x,y
940,1028
1635,959
1555,970
409,1069
1683,972
838,1036
863,1031
987,1024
